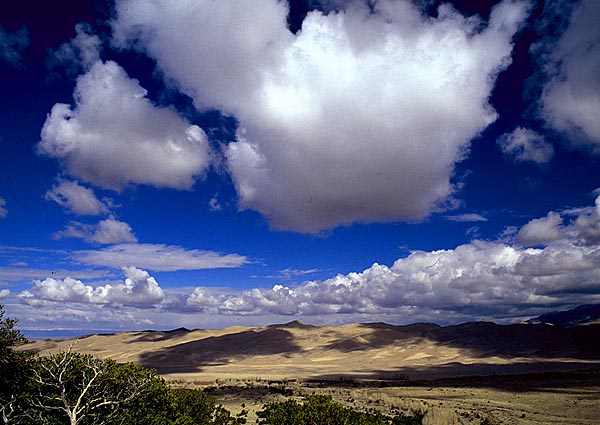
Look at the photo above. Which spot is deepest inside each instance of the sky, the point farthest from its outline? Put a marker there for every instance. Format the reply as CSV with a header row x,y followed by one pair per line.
x,y
214,163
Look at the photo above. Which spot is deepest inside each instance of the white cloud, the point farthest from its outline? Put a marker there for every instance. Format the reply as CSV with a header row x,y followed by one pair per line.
x,y
477,281
108,231
12,45
287,274
474,280
139,289
541,230
587,225
469,217
4,293
214,204
582,228
114,136
480,279
55,318
158,257
23,273
216,51
524,144
345,121
571,99
76,198
81,52
67,290
3,210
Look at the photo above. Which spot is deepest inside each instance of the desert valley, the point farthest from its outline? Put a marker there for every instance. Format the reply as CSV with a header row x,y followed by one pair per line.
x,y
473,373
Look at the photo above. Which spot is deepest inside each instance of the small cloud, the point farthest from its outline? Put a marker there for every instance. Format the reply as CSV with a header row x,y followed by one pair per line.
x,y
3,210
526,145
12,45
76,198
214,205
507,235
4,293
577,226
158,257
109,231
20,273
466,218
473,232
288,274
79,53
540,230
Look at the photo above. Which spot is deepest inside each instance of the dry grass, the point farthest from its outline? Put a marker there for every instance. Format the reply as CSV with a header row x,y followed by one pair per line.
x,y
565,398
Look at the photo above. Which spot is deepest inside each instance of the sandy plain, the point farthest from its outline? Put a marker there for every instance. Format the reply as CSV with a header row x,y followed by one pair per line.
x,y
465,374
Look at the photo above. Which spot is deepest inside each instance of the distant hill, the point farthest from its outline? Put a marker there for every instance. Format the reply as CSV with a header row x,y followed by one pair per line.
x,y
582,315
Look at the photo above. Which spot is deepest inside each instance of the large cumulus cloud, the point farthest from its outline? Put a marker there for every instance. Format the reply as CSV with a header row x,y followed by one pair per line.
x,y
507,280
491,280
571,98
361,116
139,289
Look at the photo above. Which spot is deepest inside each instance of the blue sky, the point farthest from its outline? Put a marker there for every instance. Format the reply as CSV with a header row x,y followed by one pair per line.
x,y
203,164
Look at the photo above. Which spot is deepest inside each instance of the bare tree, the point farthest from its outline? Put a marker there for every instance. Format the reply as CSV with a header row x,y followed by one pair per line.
x,y
7,409
83,387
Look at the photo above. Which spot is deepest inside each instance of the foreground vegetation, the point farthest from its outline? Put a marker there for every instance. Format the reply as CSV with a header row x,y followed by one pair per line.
x,y
80,389
320,409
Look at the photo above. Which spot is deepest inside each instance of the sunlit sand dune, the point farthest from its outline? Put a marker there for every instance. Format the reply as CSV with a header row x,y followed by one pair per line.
x,y
374,351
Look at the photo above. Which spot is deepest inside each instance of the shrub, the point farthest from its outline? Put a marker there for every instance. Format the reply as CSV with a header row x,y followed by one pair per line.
x,y
321,410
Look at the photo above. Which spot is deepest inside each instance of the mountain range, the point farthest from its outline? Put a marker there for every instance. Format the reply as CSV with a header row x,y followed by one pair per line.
x,y
581,315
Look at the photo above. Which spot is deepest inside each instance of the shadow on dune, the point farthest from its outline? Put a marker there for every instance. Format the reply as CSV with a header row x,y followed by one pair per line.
x,y
483,339
159,336
379,335
192,356
541,344
513,377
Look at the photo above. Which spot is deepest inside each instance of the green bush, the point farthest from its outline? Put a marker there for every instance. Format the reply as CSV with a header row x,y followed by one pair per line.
x,y
321,410
197,407
14,366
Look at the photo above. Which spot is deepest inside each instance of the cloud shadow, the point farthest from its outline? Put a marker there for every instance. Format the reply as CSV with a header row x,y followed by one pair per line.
x,y
193,356
483,339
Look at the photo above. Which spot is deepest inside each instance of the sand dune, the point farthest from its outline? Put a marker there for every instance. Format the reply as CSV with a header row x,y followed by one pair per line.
x,y
456,374
373,351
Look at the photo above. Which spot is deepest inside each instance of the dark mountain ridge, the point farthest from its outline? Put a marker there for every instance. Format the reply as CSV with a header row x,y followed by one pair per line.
x,y
582,315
